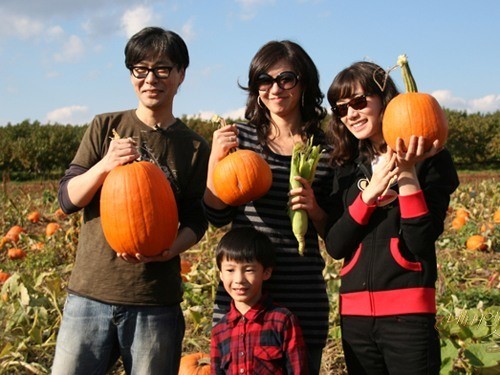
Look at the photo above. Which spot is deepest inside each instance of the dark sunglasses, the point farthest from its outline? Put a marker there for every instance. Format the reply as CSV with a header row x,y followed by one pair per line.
x,y
357,103
285,80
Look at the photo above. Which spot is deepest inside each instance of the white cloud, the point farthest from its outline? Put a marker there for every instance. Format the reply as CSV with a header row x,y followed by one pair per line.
x,y
233,114
488,103
54,33
446,99
249,7
24,27
72,50
187,31
74,115
135,19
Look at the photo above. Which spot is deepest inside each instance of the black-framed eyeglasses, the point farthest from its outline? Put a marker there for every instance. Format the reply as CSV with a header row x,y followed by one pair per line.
x,y
285,80
357,103
160,72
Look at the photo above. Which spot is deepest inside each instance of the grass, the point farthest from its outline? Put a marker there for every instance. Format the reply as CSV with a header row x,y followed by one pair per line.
x,y
32,299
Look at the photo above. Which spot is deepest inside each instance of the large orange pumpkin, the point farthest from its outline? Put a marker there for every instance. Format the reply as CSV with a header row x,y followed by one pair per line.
x,y
242,176
413,113
195,364
138,209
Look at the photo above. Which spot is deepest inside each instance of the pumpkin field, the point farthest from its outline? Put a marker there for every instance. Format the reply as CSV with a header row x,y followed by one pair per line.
x,y
38,244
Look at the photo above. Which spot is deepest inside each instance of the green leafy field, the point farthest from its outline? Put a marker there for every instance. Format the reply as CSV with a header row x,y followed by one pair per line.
x,y
33,296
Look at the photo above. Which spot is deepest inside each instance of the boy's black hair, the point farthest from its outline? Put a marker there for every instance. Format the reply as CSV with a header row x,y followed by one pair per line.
x,y
246,244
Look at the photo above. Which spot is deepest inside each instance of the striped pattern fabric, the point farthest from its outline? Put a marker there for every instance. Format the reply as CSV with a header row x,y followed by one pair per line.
x,y
297,281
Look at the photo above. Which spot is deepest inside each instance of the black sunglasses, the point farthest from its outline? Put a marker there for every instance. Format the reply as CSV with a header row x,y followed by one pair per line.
x,y
285,80
357,103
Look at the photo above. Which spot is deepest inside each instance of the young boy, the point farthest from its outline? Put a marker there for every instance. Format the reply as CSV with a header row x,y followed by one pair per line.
x,y
256,336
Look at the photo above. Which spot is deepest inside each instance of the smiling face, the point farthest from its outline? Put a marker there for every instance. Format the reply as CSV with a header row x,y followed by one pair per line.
x,y
243,282
156,94
365,123
281,102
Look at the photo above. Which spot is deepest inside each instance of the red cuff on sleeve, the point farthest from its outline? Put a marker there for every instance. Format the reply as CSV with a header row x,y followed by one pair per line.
x,y
360,211
413,205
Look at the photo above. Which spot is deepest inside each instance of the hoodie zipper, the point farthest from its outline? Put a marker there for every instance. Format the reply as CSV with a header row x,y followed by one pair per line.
x,y
372,254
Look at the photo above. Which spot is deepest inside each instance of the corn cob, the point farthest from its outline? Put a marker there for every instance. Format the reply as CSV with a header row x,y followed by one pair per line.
x,y
305,158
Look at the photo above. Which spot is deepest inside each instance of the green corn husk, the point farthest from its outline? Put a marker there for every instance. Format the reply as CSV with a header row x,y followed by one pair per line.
x,y
305,159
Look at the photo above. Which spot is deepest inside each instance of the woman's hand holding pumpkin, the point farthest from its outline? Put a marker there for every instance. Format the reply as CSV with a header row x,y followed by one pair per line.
x,y
407,157
224,139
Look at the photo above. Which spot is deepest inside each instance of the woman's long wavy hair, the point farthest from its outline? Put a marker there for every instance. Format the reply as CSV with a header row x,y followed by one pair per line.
x,y
311,109
375,81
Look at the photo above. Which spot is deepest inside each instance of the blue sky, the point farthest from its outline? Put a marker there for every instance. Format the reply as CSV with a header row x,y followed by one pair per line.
x,y
62,60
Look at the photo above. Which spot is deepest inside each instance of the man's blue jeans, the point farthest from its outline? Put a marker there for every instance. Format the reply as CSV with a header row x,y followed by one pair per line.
x,y
93,335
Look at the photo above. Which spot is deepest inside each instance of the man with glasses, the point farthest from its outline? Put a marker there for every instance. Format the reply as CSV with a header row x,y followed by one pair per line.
x,y
119,305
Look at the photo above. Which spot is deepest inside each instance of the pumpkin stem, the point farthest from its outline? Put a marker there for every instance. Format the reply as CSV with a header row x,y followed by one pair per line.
x,y
219,121
204,361
409,81
216,119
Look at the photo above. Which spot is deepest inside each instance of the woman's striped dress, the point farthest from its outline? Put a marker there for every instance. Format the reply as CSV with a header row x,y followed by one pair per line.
x,y
297,281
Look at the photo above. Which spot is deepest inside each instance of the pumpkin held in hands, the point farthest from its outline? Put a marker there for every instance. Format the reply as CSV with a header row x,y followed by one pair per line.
x,y
413,113
138,209
242,176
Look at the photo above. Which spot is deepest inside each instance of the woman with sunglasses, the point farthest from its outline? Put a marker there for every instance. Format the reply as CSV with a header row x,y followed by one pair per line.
x,y
389,210
283,107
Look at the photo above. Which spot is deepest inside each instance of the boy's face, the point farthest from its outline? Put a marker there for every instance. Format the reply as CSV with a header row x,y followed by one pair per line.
x,y
243,282
157,93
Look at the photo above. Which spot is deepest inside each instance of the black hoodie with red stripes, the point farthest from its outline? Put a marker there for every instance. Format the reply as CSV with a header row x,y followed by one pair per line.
x,y
389,249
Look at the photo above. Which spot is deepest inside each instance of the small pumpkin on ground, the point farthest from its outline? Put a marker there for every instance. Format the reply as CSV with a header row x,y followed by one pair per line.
x,y
51,229
185,268
496,217
195,364
4,276
13,233
458,222
413,113
476,242
34,216
16,253
59,214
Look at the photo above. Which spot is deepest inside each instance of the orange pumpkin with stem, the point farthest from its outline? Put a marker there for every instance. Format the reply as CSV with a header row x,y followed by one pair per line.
x,y
195,364
242,176
413,113
138,209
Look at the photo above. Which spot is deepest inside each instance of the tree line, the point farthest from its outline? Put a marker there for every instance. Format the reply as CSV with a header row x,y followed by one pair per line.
x,y
31,150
